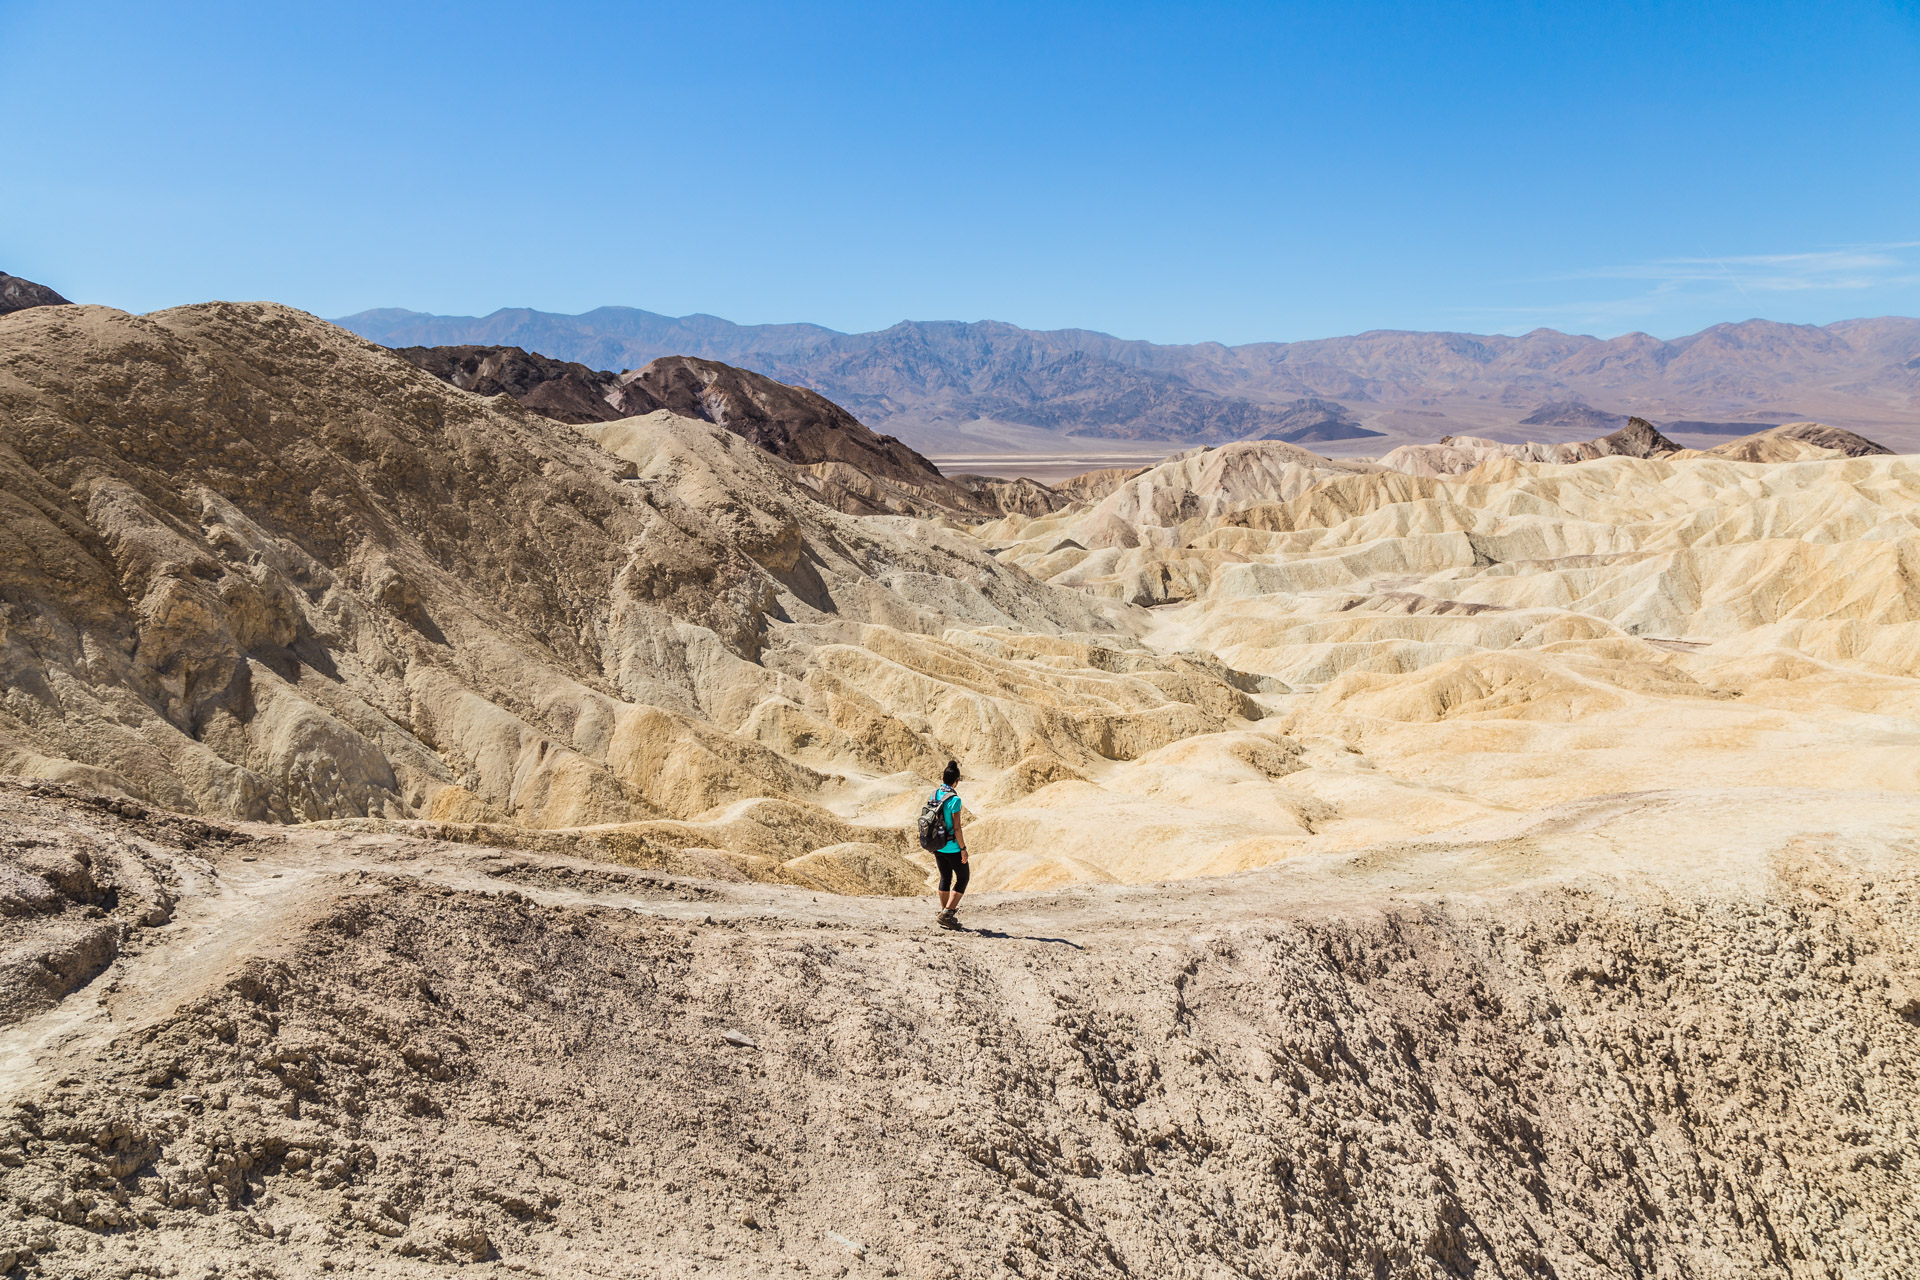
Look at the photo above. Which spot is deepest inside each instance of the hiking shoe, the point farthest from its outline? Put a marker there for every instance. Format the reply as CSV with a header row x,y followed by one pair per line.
x,y
948,920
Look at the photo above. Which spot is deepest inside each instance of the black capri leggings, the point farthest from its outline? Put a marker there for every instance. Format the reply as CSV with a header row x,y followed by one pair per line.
x,y
953,872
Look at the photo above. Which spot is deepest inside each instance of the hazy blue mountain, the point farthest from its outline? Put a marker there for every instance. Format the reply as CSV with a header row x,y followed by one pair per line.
x,y
1078,382
1574,415
1073,382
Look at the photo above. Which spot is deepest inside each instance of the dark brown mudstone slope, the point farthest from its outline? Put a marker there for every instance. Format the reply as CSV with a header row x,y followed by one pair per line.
x,y
794,423
1638,439
17,295
1851,443
557,389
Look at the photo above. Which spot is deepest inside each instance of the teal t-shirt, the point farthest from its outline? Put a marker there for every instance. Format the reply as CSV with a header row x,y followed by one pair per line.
x,y
951,812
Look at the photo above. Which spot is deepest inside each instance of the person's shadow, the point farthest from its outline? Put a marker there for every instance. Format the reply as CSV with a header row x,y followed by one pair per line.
x,y
995,933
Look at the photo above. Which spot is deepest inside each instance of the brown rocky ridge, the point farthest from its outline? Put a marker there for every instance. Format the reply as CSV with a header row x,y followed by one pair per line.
x,y
851,467
557,389
802,426
1455,454
1793,441
17,295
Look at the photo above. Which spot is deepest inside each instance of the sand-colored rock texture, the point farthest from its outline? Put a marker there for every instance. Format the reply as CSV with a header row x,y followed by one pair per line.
x,y
257,568
1456,454
440,834
1789,442
1668,1034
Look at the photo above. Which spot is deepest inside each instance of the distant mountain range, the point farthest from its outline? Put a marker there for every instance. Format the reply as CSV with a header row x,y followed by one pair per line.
x,y
913,375
932,382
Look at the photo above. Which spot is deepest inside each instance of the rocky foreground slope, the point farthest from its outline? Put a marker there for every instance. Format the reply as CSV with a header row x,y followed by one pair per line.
x,y
1670,1034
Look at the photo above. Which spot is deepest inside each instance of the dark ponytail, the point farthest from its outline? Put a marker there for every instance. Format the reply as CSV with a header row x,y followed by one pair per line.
x,y
952,773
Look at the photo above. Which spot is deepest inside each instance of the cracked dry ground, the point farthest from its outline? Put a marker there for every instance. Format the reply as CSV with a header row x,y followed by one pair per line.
x,y
303,1052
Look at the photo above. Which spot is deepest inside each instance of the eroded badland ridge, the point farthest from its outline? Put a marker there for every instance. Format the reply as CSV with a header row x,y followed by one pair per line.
x,y
442,835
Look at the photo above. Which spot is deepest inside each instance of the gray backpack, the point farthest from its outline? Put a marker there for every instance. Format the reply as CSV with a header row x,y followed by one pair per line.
x,y
934,831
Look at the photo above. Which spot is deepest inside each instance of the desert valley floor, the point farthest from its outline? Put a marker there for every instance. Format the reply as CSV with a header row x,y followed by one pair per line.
x,y
439,836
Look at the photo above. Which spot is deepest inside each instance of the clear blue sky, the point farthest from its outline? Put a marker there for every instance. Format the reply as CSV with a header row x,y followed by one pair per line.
x,y
1173,172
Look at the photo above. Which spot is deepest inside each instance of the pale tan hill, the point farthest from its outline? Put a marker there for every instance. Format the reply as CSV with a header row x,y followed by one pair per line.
x,y
1091,486
1438,649
1799,442
1456,454
1119,546
261,569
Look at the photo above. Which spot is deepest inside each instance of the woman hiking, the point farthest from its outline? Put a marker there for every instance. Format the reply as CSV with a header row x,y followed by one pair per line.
x,y
942,834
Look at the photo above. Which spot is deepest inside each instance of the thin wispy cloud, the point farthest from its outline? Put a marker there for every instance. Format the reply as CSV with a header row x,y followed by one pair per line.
x,y
1673,287
1851,267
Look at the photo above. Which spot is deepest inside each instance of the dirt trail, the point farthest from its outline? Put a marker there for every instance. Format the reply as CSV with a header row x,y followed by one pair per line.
x,y
260,895
225,917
